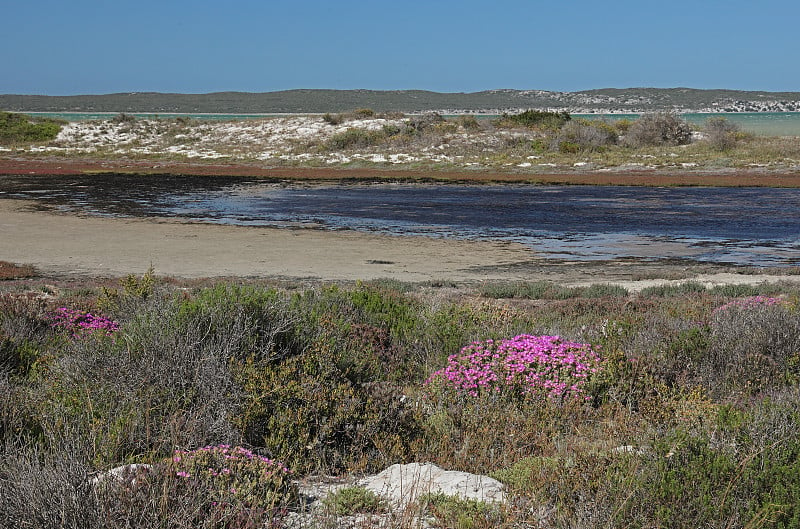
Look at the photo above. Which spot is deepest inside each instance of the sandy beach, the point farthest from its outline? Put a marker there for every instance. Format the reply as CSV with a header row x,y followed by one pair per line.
x,y
63,243
66,244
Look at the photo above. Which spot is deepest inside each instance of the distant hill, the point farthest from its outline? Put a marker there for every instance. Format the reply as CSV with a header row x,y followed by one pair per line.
x,y
634,100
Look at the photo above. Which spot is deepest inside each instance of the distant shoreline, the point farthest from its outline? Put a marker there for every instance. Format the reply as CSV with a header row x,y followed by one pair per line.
x,y
313,101
443,112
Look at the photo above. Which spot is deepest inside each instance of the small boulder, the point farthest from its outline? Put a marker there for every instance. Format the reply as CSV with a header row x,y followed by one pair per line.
x,y
402,484
121,474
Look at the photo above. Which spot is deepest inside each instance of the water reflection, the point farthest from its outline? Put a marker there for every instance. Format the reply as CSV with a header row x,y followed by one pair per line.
x,y
756,226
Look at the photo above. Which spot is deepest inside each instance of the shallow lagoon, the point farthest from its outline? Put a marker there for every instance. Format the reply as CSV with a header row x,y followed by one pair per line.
x,y
745,226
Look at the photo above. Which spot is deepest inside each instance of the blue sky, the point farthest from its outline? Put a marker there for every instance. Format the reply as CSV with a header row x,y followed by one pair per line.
x,y
93,47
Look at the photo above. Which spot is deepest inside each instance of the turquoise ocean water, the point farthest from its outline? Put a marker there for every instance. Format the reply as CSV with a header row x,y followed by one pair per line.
x,y
760,123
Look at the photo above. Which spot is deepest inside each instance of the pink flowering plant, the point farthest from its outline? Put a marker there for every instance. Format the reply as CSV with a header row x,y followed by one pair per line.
x,y
751,302
78,323
523,365
239,483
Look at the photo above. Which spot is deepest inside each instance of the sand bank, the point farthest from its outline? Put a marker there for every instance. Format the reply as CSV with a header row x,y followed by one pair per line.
x,y
65,244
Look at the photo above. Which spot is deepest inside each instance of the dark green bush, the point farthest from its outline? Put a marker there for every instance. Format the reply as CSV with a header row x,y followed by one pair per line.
x,y
355,138
20,128
535,119
307,412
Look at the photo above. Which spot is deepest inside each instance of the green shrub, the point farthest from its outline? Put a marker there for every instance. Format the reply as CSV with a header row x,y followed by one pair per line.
x,y
332,119
236,476
419,124
348,501
599,290
584,135
363,113
391,130
354,138
134,291
356,426
526,473
569,147
468,123
24,328
20,128
458,513
535,119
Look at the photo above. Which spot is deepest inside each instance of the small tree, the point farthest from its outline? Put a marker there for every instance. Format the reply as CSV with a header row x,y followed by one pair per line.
x,y
721,134
663,128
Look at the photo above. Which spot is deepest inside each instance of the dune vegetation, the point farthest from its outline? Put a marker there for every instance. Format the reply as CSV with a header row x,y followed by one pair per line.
x,y
526,143
674,407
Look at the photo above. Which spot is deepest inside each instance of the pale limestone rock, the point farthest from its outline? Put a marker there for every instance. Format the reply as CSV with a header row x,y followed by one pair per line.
x,y
402,484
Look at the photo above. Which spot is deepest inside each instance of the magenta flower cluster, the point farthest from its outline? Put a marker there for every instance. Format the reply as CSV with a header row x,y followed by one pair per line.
x,y
237,481
79,323
748,303
215,460
524,364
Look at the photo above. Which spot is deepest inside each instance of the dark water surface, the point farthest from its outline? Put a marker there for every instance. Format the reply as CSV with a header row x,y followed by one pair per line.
x,y
751,226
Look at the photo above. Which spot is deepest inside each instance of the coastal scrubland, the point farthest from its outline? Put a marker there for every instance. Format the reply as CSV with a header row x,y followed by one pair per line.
x,y
672,407
522,144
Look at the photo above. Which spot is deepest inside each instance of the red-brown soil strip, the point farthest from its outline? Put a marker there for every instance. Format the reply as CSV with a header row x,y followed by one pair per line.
x,y
655,177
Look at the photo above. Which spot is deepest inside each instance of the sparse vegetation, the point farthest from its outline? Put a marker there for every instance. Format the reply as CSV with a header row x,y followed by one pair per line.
x,y
721,133
468,123
548,290
332,119
15,271
584,135
528,143
355,138
663,128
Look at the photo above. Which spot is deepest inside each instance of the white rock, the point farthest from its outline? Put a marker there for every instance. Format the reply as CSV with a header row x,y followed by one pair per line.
x,y
402,484
120,474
